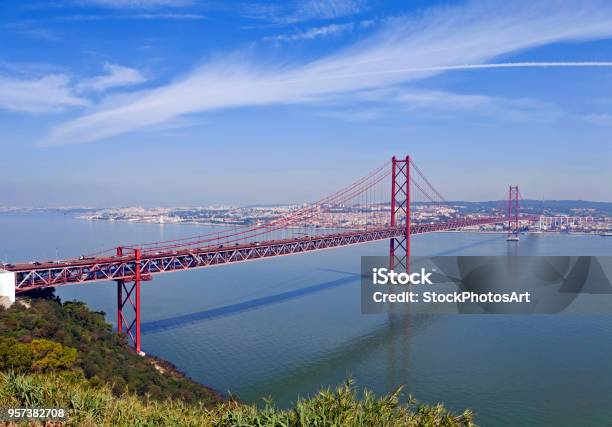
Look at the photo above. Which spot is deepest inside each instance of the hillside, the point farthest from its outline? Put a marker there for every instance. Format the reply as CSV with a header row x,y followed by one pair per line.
x,y
45,335
63,355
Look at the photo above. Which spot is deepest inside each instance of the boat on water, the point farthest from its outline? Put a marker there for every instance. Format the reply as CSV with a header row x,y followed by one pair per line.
x,y
512,238
606,234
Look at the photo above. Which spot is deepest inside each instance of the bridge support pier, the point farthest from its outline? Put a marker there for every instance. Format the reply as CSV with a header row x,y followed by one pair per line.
x,y
128,297
7,288
399,247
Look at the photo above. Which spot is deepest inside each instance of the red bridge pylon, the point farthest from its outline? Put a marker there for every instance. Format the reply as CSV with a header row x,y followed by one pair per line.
x,y
513,210
399,247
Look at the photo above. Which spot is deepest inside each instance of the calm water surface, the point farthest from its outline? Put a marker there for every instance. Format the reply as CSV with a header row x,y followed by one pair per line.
x,y
287,326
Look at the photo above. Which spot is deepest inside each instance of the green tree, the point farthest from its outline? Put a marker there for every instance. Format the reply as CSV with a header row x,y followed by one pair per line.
x,y
50,355
14,355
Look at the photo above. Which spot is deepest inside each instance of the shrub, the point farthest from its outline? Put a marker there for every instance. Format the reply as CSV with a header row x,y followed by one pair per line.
x,y
49,355
14,355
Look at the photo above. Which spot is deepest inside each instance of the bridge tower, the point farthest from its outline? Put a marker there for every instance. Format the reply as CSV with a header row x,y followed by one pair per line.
x,y
513,209
399,247
128,297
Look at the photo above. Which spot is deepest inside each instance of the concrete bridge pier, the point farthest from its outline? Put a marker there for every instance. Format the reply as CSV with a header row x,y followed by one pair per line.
x,y
7,288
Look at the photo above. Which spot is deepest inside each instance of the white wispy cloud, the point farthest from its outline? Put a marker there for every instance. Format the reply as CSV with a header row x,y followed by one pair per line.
x,y
116,75
405,50
25,89
32,29
46,94
602,119
510,109
291,12
39,33
355,115
138,4
124,16
327,9
313,33
391,102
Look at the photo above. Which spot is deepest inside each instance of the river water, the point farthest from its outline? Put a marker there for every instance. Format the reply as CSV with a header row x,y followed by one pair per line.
x,y
285,327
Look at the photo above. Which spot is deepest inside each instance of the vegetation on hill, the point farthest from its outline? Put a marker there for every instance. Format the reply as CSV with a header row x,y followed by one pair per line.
x,y
55,355
42,335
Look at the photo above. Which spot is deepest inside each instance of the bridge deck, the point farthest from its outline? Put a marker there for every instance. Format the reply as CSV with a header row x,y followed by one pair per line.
x,y
49,274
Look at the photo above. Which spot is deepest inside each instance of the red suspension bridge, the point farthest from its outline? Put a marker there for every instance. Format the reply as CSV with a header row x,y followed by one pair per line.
x,y
394,202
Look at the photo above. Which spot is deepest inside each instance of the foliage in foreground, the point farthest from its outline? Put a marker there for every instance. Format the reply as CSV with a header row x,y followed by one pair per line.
x,y
55,355
42,335
97,406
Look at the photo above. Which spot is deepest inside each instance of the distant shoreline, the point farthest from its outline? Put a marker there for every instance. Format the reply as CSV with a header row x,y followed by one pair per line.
x,y
541,233
212,224
209,224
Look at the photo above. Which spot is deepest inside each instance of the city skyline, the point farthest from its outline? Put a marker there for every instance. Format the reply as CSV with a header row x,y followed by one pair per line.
x,y
245,103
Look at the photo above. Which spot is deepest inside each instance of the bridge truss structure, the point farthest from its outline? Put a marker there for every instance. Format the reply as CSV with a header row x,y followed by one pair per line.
x,y
392,202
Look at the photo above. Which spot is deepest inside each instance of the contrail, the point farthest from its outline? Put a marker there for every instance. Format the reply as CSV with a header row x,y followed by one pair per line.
x,y
511,65
582,64
507,65
483,66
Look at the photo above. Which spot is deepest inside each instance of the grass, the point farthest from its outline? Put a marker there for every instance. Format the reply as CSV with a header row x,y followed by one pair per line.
x,y
89,405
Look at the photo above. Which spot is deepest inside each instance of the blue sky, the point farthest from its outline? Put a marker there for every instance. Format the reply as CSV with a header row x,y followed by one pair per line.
x,y
187,102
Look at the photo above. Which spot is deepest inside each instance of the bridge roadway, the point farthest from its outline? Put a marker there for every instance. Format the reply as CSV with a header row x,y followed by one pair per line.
x,y
57,273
